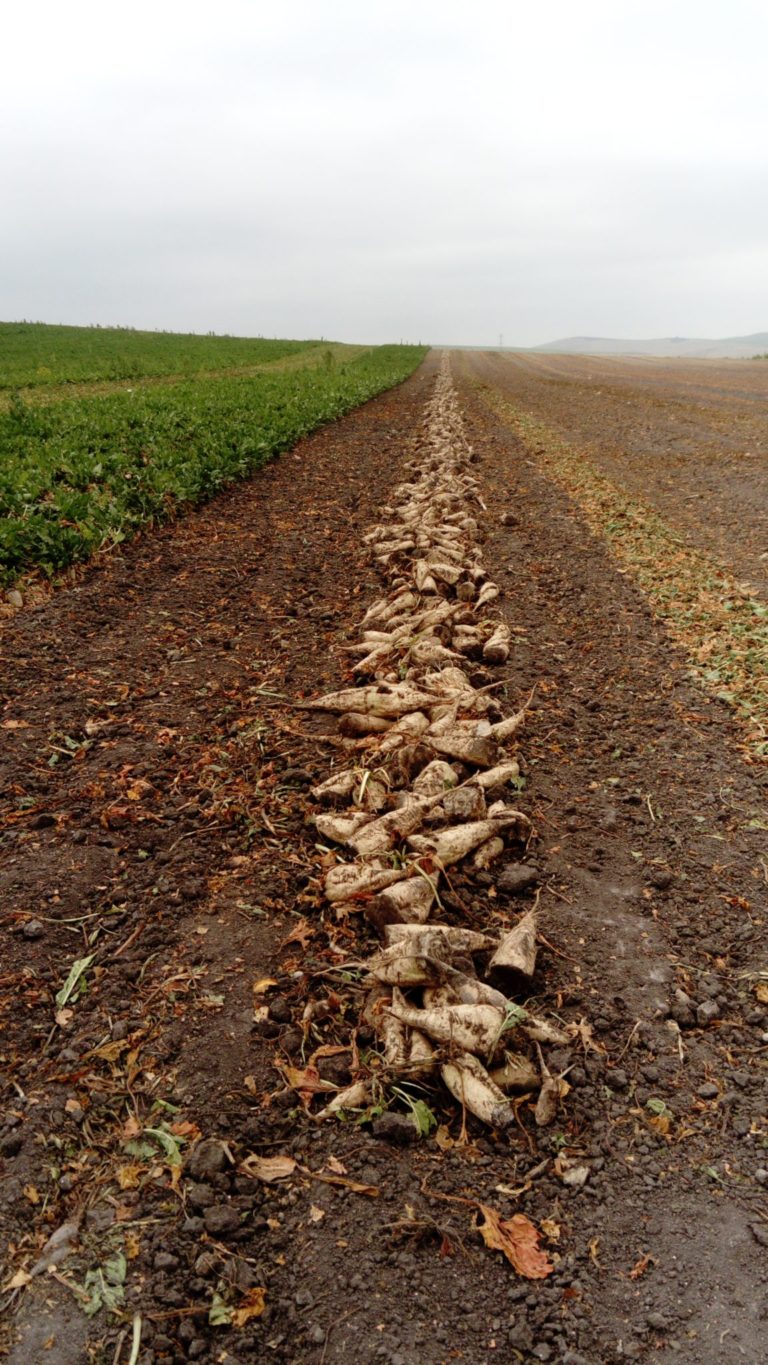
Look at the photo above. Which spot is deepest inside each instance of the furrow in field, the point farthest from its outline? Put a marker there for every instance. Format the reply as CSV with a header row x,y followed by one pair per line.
x,y
719,622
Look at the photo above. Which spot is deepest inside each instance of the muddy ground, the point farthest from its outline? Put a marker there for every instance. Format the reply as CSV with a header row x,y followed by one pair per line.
x,y
154,780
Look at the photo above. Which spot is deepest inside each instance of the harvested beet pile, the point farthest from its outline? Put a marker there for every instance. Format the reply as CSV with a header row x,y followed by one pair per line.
x,y
427,790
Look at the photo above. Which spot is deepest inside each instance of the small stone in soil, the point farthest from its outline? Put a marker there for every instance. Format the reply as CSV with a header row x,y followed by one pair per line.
x,y
208,1158
280,1010
657,1321
206,1263
617,1079
221,1221
517,877
661,878
201,1196
395,1128
707,1091
707,1011
165,1260
33,929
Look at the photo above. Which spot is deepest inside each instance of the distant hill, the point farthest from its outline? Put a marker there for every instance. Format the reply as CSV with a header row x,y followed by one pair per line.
x,y
728,348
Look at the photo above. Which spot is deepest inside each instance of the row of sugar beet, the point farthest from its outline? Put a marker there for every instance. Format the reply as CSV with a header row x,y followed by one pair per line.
x,y
427,789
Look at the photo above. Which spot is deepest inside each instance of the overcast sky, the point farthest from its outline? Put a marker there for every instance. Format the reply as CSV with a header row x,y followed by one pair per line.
x,y
416,169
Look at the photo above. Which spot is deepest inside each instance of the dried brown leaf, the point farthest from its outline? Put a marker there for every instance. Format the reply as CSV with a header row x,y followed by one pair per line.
x,y
268,1168
517,1238
264,984
640,1266
302,933
252,1306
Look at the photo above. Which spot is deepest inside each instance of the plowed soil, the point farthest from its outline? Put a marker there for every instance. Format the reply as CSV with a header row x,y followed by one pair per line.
x,y
155,786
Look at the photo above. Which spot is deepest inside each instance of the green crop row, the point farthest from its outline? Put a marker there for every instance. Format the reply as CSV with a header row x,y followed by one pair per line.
x,y
83,473
34,353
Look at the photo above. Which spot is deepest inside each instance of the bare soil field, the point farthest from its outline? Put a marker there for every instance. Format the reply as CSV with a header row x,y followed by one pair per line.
x,y
690,436
170,972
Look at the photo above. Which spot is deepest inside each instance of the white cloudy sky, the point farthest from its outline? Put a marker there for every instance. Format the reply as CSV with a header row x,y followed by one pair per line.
x,y
423,169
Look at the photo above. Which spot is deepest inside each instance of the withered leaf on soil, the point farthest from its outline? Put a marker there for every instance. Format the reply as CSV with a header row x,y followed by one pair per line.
x,y
19,1280
551,1229
354,1185
302,933
516,1238
306,1080
264,984
252,1306
640,1266
269,1168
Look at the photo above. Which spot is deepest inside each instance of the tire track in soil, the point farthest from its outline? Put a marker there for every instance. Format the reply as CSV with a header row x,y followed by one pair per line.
x,y
350,1286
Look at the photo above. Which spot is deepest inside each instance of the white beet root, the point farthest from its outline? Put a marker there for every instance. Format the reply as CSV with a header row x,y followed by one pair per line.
x,y
472,1028
468,1081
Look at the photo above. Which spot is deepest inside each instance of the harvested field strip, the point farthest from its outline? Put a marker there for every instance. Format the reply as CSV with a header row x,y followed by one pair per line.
x,y
76,476
720,623
311,357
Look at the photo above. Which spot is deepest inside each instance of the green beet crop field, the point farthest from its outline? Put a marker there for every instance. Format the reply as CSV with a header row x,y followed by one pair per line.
x,y
81,470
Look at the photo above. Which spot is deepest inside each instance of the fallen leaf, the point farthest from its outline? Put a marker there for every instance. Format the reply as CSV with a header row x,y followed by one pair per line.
x,y
32,1194
110,1052
354,1185
269,1168
513,1191
761,991
261,986
307,1082
316,1214
132,1246
582,1030
443,1139
660,1123
594,1247
252,1306
18,1282
15,724
186,1129
129,1176
551,1229
640,1267
303,932
335,1165
516,1238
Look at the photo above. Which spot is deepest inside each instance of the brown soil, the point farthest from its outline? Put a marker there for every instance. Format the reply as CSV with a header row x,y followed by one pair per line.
x,y
691,437
155,797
